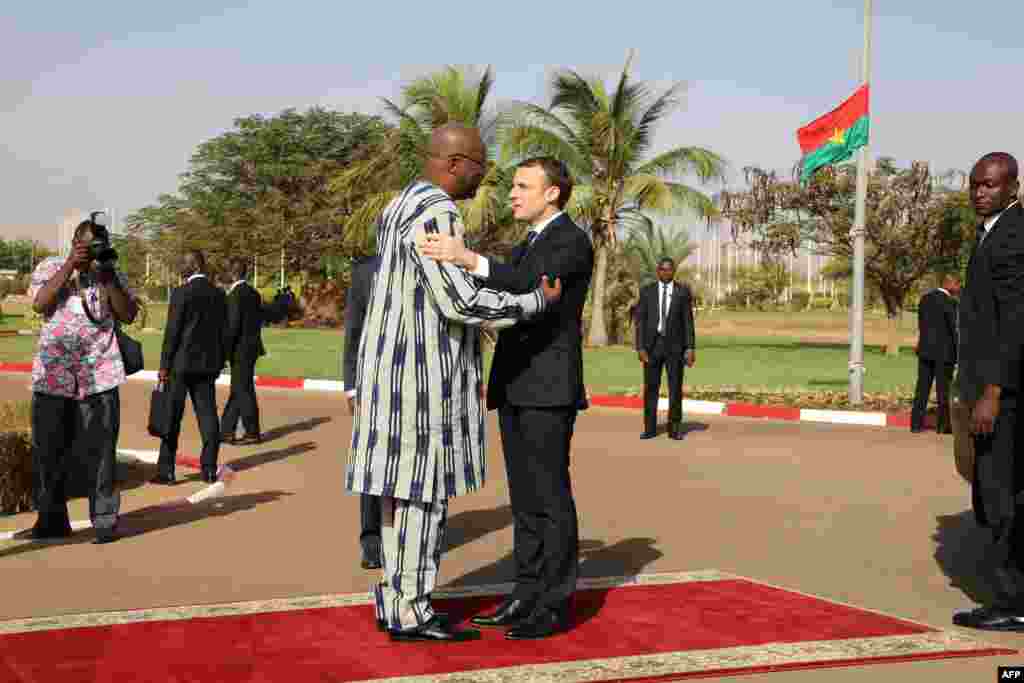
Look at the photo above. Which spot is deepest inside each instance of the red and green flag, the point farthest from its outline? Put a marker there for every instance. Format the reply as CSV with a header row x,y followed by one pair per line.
x,y
835,136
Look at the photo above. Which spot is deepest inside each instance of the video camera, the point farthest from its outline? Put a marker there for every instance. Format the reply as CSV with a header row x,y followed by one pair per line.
x,y
100,249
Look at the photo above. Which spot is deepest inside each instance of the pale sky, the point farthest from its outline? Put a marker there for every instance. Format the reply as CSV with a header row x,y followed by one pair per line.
x,y
101,104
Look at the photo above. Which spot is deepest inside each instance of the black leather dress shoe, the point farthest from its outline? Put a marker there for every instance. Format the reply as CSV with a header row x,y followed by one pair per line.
x,y
541,624
676,434
228,439
509,613
209,475
371,559
164,479
443,617
106,535
435,630
41,534
648,435
992,619
250,439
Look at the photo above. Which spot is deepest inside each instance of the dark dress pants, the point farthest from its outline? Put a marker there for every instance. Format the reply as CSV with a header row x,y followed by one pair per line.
x,y
536,445
87,430
369,524
672,363
202,390
927,372
242,400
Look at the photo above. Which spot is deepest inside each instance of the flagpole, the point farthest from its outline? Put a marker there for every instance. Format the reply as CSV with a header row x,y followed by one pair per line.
x,y
857,295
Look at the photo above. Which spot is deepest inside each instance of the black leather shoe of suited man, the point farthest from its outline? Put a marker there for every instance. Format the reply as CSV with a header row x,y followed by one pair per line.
x,y
209,475
163,479
648,435
509,613
543,623
992,619
371,557
434,630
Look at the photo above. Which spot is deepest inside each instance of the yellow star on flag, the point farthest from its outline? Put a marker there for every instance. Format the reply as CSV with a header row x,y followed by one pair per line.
x,y
838,137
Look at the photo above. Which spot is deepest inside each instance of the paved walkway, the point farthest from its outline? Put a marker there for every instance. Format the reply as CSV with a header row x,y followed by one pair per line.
x,y
875,518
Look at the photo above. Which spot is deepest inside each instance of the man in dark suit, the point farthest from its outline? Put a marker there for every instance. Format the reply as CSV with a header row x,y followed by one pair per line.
x,y
989,380
936,352
363,271
536,385
191,360
664,339
243,345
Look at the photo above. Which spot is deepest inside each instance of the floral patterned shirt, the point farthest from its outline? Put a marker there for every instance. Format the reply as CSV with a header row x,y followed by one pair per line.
x,y
76,358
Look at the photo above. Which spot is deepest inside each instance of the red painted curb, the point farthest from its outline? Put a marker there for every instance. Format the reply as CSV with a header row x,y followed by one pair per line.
x,y
188,461
616,401
754,410
15,367
280,382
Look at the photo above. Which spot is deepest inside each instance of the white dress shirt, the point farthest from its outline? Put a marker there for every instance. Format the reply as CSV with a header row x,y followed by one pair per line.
x,y
193,277
234,284
483,266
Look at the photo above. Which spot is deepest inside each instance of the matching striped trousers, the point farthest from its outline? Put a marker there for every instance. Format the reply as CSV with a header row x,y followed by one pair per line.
x,y
412,538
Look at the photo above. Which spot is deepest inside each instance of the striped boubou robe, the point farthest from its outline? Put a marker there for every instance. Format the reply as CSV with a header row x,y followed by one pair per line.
x,y
418,429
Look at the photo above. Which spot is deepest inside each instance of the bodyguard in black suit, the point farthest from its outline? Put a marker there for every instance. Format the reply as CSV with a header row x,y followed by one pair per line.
x,y
363,271
536,384
243,345
191,360
664,339
989,379
936,352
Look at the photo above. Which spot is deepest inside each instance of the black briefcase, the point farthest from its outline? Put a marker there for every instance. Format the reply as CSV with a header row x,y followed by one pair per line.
x,y
159,411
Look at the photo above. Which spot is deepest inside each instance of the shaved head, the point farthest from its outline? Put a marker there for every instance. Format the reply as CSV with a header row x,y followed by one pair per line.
x,y
456,160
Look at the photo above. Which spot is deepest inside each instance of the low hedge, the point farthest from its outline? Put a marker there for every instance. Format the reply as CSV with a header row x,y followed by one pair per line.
x,y
15,457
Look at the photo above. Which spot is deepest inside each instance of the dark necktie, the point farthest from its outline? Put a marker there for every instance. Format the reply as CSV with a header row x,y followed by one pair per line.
x,y
531,237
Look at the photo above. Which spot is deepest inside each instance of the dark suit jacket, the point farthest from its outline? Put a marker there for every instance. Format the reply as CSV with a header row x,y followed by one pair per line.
x,y
679,329
539,362
356,303
936,323
992,310
194,336
243,340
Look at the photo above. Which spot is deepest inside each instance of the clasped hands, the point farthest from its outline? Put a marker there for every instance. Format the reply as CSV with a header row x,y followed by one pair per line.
x,y
449,249
986,410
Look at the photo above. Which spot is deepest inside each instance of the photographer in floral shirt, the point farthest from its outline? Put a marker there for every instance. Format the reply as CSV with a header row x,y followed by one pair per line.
x,y
76,408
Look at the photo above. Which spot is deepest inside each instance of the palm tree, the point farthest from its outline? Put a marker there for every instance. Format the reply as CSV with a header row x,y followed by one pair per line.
x,y
650,241
453,94
607,140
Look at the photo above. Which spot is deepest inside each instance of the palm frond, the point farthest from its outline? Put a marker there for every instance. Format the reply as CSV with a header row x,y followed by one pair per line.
x,y
704,163
688,197
663,105
520,142
576,95
649,192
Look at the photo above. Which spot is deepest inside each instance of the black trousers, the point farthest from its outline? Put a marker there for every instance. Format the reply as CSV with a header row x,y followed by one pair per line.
x,y
998,475
672,363
242,400
64,429
536,445
369,523
201,388
927,372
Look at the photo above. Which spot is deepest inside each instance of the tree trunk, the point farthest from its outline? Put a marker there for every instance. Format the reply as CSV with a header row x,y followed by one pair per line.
x,y
892,348
598,335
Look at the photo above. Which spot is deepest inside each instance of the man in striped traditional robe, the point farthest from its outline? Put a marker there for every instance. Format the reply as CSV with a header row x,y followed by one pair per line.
x,y
418,432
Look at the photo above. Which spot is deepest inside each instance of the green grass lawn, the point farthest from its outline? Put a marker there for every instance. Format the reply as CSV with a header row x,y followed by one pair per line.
x,y
785,361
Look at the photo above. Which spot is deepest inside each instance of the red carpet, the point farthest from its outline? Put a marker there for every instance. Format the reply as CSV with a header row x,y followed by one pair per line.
x,y
667,627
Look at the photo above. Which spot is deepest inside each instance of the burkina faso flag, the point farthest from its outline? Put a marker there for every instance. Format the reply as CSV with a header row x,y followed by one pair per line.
x,y
835,136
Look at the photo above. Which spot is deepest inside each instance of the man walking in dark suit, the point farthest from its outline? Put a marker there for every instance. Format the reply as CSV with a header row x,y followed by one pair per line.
x,y
363,271
664,339
989,380
243,344
536,385
936,352
191,360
